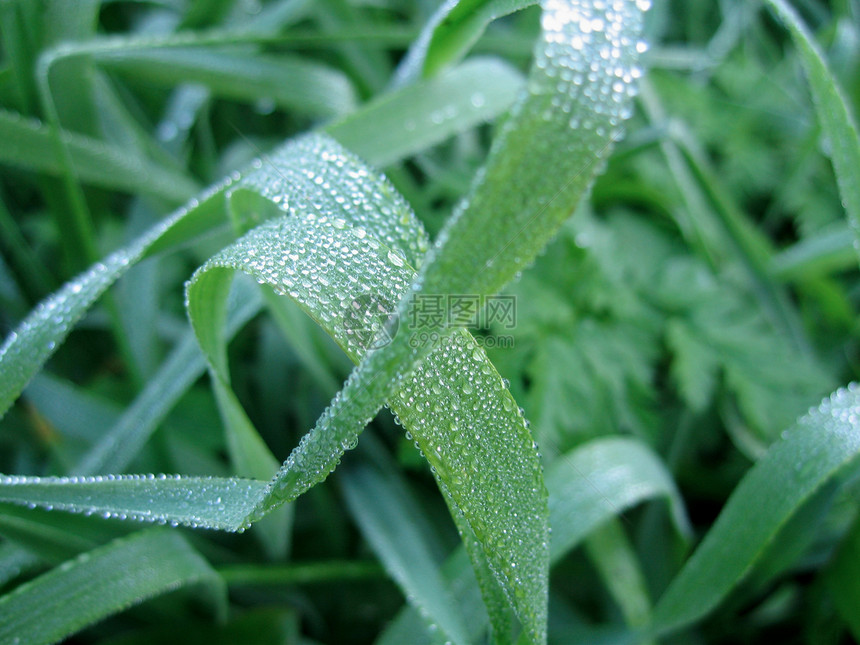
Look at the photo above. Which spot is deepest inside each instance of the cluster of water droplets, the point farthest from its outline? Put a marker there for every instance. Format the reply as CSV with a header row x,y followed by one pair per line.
x,y
198,502
588,62
839,413
466,423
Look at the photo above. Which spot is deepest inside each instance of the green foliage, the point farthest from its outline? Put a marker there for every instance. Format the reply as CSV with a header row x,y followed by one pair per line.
x,y
681,299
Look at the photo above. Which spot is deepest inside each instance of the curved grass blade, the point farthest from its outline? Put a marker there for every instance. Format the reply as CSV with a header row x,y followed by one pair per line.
x,y
130,570
820,447
515,206
353,243
599,481
575,102
833,112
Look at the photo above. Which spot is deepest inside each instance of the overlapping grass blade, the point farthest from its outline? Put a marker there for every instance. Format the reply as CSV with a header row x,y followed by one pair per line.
x,y
818,449
575,102
348,250
576,97
833,112
130,570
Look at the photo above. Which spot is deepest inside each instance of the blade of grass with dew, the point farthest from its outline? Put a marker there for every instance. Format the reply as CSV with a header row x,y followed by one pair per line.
x,y
523,205
833,112
371,238
25,351
823,444
221,503
391,521
587,486
514,198
130,570
449,33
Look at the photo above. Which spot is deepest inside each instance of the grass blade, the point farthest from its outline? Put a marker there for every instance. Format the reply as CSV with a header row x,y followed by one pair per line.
x,y
820,447
14,561
363,226
27,348
25,351
206,502
833,112
130,570
427,112
598,481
